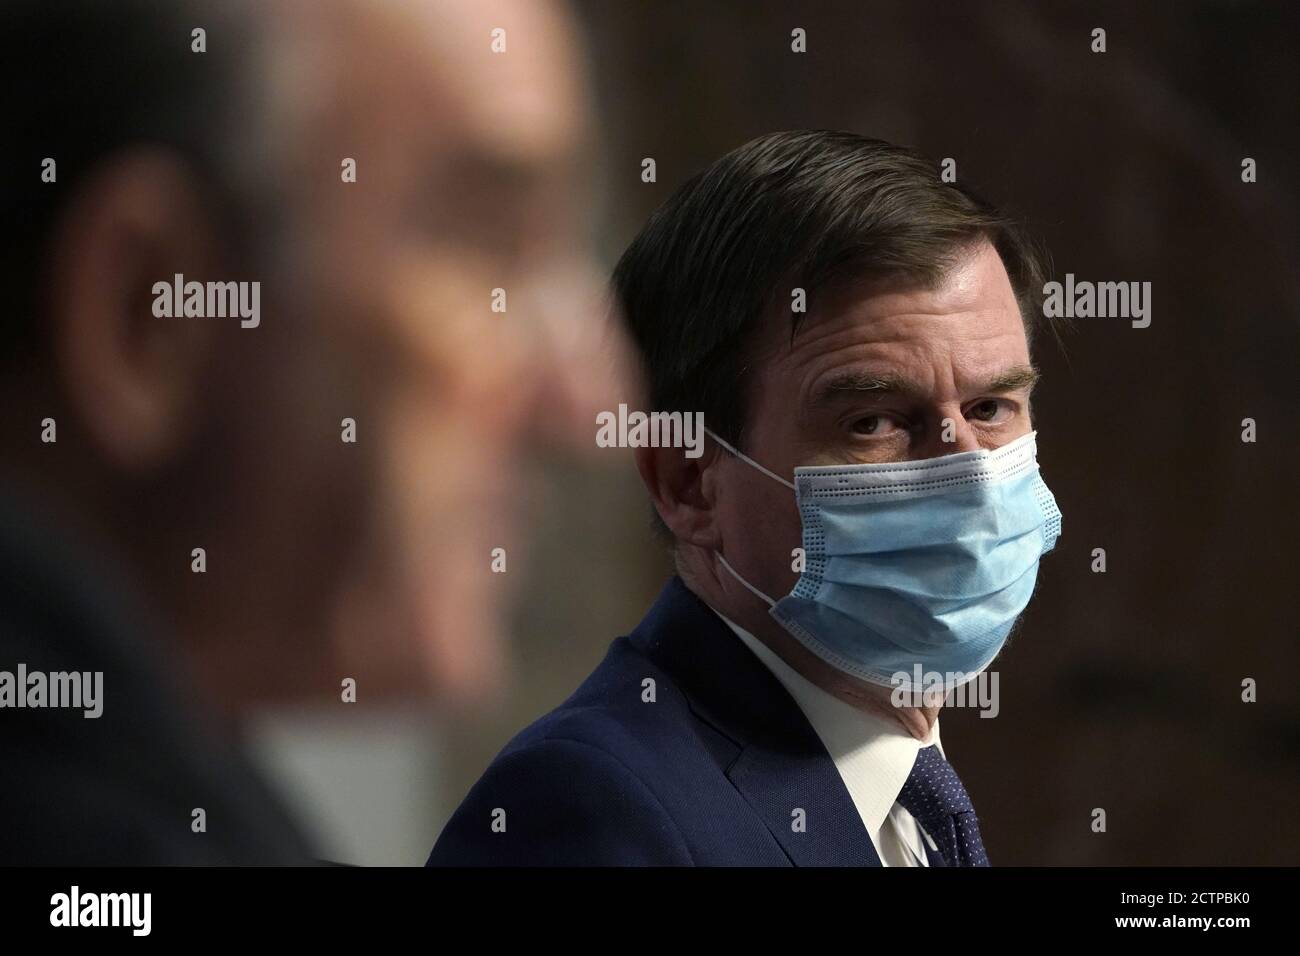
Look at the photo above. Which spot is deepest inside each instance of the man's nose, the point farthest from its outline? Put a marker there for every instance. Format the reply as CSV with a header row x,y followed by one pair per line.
x,y
951,434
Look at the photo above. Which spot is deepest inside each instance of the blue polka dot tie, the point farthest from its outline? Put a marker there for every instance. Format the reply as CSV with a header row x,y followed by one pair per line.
x,y
935,797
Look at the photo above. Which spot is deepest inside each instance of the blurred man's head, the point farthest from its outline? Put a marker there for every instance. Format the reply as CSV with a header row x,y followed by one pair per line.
x,y
380,169
914,343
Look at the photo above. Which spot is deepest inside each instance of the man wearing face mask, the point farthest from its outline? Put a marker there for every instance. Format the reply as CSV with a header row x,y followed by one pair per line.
x,y
869,507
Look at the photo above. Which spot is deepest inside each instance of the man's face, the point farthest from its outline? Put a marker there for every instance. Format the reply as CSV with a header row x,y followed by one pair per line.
x,y
880,374
465,184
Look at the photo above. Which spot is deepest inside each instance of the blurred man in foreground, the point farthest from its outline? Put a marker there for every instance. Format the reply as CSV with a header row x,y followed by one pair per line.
x,y
257,443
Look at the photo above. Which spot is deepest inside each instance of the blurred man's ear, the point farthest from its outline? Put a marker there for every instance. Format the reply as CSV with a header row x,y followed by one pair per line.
x,y
682,490
132,379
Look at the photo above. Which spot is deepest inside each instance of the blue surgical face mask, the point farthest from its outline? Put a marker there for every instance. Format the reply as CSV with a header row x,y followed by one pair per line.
x,y
913,563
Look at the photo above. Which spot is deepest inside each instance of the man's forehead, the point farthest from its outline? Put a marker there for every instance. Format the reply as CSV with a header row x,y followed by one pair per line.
x,y
972,306
895,338
975,280
509,69
434,64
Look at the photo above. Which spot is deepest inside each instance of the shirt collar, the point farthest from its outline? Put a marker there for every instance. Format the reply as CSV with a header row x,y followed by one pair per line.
x,y
874,755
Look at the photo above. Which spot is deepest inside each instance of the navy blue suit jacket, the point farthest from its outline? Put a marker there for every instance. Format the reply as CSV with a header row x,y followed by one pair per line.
x,y
713,771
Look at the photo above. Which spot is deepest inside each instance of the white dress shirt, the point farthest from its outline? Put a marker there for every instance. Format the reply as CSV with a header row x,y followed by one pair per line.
x,y
874,756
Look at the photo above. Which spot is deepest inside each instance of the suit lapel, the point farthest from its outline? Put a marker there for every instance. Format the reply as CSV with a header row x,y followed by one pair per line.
x,y
803,802
783,771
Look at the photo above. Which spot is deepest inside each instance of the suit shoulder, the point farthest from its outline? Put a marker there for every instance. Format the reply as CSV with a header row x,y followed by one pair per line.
x,y
627,707
579,783
558,801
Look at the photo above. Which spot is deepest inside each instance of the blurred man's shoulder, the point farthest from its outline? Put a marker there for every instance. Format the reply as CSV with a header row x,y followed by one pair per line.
x,y
107,760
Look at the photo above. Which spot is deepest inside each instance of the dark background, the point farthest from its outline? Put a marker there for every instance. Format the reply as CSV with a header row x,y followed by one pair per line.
x,y
1121,690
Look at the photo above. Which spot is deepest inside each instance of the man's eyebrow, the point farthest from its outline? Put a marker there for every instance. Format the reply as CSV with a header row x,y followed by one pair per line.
x,y
859,381
1016,377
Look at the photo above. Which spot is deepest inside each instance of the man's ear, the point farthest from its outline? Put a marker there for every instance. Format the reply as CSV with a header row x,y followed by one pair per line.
x,y
683,491
133,380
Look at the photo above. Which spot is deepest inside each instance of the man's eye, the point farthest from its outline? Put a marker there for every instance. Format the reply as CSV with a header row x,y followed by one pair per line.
x,y
989,410
873,425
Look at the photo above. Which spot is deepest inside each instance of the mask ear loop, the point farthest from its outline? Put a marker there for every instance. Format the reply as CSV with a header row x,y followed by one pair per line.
x,y
749,461
750,587
745,458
